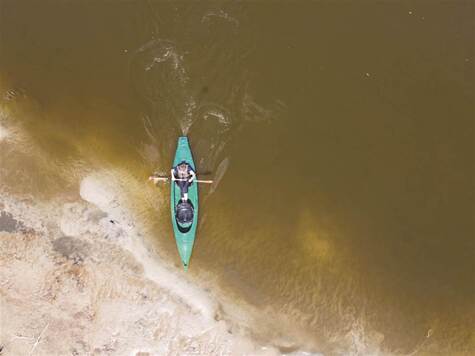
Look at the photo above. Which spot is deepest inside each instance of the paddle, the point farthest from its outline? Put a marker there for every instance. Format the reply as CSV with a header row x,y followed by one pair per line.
x,y
158,179
197,181
204,173
166,179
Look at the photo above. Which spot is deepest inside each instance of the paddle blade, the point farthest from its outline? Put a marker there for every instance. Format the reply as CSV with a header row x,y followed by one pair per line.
x,y
158,179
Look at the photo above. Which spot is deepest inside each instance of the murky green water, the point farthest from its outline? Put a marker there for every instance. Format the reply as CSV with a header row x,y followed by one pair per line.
x,y
341,135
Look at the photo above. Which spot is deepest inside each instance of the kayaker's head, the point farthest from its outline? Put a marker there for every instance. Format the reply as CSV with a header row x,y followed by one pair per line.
x,y
182,170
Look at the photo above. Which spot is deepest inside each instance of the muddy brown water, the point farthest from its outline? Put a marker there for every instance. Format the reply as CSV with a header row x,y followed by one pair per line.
x,y
341,134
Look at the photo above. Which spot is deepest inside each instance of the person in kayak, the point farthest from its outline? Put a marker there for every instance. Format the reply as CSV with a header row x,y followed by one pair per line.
x,y
184,175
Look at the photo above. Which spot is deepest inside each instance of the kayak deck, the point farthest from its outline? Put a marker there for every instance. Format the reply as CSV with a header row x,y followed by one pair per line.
x,y
185,238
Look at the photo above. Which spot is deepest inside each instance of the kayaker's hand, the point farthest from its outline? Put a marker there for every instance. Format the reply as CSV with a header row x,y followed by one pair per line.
x,y
193,175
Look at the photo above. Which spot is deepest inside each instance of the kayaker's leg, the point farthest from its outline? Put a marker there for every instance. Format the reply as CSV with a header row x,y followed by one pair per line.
x,y
184,190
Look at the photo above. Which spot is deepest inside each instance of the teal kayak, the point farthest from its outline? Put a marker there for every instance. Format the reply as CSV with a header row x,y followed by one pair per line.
x,y
184,232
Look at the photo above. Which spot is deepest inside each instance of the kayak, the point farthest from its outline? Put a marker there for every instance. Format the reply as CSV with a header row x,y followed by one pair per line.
x,y
184,231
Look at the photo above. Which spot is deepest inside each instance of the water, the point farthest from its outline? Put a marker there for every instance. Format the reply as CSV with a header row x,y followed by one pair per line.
x,y
340,135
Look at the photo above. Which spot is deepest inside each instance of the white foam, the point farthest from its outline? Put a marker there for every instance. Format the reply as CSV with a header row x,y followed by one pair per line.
x,y
220,14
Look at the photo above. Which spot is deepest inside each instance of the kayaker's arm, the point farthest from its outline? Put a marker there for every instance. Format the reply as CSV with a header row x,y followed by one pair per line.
x,y
193,176
172,174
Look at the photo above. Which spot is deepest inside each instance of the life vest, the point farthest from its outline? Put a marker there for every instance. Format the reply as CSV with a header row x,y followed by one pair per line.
x,y
182,173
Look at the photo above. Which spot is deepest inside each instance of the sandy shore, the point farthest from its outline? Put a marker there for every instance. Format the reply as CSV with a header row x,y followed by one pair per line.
x,y
74,282
77,278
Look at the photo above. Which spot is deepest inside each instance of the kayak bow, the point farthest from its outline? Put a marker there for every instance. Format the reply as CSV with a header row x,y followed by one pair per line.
x,y
184,233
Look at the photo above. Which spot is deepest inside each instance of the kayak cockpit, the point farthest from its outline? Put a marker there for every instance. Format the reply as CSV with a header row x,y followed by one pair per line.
x,y
184,214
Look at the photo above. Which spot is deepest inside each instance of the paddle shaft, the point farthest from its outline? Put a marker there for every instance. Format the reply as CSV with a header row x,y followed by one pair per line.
x,y
166,179
196,180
